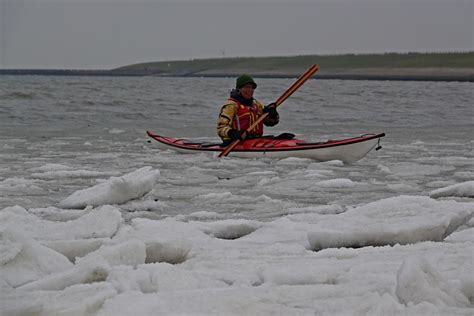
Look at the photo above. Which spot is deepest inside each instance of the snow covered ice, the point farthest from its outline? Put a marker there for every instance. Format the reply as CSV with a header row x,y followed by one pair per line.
x,y
387,256
465,189
97,222
116,190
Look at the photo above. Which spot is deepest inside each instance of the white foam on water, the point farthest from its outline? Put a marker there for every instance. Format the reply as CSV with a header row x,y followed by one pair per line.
x,y
67,174
51,167
466,175
20,186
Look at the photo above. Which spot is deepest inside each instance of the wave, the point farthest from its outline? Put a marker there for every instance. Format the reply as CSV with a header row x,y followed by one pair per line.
x,y
18,95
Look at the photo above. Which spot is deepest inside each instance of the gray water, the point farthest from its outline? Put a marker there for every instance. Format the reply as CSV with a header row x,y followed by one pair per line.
x,y
96,127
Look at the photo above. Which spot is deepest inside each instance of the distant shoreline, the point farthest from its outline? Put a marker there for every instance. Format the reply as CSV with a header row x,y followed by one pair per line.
x,y
460,75
389,66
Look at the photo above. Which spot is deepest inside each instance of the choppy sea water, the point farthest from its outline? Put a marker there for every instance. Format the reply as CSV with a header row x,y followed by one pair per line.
x,y
94,128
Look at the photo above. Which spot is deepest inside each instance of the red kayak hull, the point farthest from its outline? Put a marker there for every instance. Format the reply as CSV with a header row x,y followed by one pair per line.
x,y
347,150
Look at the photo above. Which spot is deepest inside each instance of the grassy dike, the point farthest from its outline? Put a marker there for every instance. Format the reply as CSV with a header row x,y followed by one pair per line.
x,y
389,66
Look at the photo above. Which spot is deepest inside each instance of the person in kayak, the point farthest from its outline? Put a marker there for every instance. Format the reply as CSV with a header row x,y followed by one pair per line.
x,y
241,110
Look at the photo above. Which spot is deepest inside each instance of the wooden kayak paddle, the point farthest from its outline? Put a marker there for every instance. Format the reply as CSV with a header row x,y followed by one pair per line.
x,y
298,83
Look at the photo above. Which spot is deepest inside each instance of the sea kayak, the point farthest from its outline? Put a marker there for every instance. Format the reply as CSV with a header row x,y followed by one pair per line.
x,y
347,150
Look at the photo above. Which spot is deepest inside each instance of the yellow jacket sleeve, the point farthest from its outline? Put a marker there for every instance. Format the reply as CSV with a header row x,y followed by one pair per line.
x,y
226,119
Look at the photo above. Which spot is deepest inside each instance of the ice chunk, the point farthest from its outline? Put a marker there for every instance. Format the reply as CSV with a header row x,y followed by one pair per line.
x,y
299,274
204,215
231,229
384,169
88,271
462,235
130,252
126,278
116,190
4,288
167,277
57,214
168,229
144,206
166,240
221,196
81,299
438,184
100,222
319,209
467,287
75,248
116,131
336,183
9,249
465,189
412,170
384,222
418,281
213,301
24,260
173,252
466,175
293,161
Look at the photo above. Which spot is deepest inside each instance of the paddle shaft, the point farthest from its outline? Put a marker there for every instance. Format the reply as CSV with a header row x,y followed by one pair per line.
x,y
298,83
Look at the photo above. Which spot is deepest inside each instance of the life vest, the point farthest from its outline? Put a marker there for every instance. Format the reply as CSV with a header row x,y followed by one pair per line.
x,y
246,116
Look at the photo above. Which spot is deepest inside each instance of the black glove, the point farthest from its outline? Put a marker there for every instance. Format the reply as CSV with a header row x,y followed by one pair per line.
x,y
236,134
271,110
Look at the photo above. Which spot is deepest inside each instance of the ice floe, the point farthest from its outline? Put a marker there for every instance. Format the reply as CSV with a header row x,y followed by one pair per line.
x,y
172,246
100,222
385,222
117,190
24,260
173,265
128,252
336,183
465,189
231,229
87,272
418,282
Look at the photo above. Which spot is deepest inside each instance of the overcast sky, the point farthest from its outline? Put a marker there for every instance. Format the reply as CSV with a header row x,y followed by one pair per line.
x,y
92,34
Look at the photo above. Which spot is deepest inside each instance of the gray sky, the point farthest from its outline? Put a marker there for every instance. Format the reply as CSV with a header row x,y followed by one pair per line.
x,y
92,34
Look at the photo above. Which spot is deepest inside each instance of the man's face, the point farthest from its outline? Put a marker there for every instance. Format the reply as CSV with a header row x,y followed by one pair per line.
x,y
247,90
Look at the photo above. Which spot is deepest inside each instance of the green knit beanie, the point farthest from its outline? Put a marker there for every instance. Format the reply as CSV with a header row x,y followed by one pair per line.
x,y
243,80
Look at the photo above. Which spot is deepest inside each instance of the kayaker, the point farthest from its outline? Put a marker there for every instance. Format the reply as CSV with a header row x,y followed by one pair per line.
x,y
241,110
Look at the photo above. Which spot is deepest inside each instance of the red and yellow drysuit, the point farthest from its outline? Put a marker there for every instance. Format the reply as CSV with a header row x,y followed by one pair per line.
x,y
235,115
